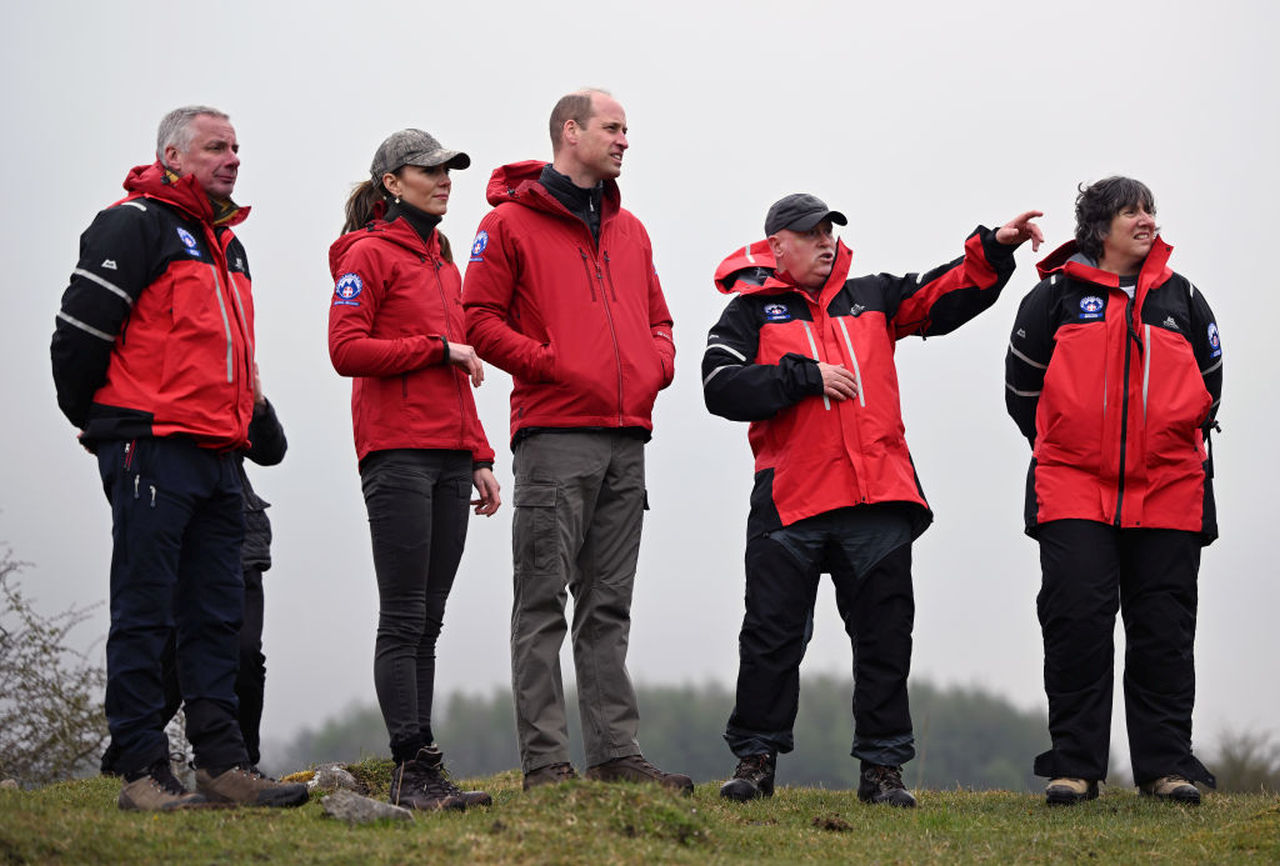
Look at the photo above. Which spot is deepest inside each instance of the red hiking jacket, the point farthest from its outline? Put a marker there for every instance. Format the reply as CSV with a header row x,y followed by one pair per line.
x,y
582,328
396,302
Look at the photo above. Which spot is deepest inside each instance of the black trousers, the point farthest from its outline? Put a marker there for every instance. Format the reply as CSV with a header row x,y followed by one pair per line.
x,y
1091,570
418,503
875,600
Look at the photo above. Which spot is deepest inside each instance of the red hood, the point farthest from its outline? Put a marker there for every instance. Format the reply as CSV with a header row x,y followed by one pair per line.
x,y
185,193
1067,260
397,232
518,182
750,270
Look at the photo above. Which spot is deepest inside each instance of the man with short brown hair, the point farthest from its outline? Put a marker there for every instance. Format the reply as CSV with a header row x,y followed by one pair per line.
x,y
561,292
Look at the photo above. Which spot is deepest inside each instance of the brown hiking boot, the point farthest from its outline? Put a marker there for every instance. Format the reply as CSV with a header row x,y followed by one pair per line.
x,y
158,791
1067,791
420,784
434,760
551,774
1175,788
248,787
634,768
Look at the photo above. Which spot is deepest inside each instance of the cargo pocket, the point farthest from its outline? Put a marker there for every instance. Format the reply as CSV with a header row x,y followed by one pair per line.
x,y
533,530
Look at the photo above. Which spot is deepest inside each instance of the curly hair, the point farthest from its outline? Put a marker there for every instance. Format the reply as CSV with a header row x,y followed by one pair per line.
x,y
1097,205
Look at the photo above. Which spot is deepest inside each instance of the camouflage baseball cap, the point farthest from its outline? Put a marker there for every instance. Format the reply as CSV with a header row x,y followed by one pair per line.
x,y
414,147
799,212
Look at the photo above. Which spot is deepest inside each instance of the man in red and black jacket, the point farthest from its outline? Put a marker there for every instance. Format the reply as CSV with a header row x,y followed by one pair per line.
x,y
561,292
1114,373
805,353
153,362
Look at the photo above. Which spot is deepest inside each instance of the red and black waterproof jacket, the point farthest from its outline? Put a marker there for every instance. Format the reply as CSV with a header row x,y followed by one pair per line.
x,y
583,328
814,454
1116,395
396,304
155,333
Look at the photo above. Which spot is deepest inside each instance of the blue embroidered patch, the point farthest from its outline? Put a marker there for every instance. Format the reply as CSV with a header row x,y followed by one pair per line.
x,y
347,289
1091,307
777,313
478,246
1215,342
188,241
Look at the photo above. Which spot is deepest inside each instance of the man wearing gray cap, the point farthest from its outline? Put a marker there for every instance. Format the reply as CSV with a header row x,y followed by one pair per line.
x,y
804,353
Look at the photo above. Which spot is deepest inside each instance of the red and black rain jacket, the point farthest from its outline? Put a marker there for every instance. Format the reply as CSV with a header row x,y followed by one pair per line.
x,y
155,333
583,328
814,454
396,304
1116,395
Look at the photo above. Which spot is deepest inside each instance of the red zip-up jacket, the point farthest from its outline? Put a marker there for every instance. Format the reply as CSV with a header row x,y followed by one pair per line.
x,y
155,333
814,454
1115,395
396,302
583,328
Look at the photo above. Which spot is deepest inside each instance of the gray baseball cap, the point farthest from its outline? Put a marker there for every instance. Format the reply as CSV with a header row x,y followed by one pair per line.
x,y
800,212
414,147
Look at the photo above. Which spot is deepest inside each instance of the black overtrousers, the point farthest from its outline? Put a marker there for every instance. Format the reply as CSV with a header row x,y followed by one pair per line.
x,y
1091,570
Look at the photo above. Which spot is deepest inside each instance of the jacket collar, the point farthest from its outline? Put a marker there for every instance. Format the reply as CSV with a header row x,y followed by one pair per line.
x,y
184,193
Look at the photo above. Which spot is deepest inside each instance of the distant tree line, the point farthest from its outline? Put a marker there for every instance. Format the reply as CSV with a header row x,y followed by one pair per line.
x,y
964,736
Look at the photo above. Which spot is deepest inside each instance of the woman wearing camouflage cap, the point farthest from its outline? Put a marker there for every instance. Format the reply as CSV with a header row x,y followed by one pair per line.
x,y
395,325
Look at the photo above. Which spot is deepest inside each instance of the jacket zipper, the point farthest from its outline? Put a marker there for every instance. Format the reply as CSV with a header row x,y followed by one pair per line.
x,y
448,333
613,333
1130,337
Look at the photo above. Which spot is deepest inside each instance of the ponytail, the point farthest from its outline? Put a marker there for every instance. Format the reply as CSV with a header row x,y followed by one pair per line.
x,y
360,204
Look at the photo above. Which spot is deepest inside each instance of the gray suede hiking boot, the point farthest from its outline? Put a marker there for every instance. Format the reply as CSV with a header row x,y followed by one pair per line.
x,y
247,787
753,778
634,768
1067,791
1175,788
158,791
420,784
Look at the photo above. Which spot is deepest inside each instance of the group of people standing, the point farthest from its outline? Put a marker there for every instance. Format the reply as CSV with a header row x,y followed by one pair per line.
x,y
1114,376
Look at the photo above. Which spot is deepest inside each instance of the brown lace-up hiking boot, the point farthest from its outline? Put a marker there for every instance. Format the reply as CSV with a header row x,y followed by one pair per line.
x,y
158,791
248,787
753,778
634,768
883,784
418,784
1067,791
1176,788
551,774
434,760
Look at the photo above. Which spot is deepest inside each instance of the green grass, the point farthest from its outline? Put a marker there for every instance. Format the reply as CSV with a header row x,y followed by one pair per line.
x,y
592,823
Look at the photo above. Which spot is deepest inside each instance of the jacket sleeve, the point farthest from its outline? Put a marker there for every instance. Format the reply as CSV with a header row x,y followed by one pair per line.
x,y
488,297
116,264
1030,349
737,388
1207,345
353,348
937,302
266,436
660,325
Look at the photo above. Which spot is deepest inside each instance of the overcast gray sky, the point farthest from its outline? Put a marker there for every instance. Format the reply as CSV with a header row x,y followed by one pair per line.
x,y
917,119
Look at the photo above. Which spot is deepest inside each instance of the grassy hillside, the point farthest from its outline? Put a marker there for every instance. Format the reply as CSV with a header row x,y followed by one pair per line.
x,y
590,823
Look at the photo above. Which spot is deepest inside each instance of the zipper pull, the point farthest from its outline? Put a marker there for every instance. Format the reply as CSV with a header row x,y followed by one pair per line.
x,y
153,495
136,480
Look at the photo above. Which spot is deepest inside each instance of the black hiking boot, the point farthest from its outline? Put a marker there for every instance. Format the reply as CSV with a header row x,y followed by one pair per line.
x,y
753,778
883,784
419,784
